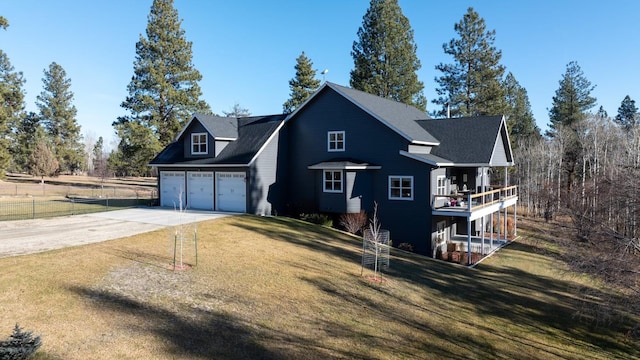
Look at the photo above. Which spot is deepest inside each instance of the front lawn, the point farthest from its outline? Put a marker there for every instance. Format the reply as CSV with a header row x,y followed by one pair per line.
x,y
277,288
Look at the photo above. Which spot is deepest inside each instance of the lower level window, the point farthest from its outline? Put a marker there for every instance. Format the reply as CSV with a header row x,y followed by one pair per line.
x,y
401,187
332,181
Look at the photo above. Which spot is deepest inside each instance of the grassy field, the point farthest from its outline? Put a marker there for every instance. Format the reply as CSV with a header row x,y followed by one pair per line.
x,y
277,288
24,197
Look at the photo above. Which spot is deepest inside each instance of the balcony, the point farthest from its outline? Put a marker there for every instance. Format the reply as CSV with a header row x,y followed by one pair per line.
x,y
474,205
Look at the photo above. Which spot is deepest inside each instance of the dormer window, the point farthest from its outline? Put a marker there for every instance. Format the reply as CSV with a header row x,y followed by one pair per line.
x,y
335,141
199,143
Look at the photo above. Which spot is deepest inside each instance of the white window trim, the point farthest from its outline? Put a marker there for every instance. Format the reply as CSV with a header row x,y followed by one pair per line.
x,y
443,187
344,145
400,177
324,181
206,143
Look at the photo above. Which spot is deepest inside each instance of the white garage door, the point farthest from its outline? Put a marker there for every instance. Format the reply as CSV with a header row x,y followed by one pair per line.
x,y
200,190
172,189
231,191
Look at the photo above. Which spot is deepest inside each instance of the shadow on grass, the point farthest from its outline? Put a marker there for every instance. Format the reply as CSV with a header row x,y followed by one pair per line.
x,y
207,334
540,306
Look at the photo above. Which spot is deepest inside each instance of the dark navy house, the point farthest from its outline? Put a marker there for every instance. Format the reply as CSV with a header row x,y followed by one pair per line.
x,y
340,152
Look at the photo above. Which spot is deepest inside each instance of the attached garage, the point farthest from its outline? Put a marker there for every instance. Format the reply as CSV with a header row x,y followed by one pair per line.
x,y
231,191
200,190
172,189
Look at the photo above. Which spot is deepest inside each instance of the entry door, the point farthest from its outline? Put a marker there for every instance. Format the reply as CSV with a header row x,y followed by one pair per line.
x,y
172,189
231,191
200,190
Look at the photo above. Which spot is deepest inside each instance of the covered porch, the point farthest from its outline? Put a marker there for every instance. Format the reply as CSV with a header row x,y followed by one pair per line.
x,y
494,208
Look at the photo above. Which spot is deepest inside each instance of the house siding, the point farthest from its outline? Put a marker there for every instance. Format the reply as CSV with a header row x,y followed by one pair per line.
x,y
368,140
499,154
262,176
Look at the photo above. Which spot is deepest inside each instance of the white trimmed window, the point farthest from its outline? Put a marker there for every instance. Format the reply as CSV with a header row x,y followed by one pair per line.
x,y
335,141
401,187
199,143
441,185
332,181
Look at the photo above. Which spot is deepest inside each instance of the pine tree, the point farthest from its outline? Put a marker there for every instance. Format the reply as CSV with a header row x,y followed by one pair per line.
x,y
572,100
570,107
28,134
20,345
472,84
58,116
99,159
164,90
43,161
627,113
520,121
237,111
302,85
11,108
385,60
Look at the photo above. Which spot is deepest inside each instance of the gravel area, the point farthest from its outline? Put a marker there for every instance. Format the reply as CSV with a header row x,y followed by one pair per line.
x,y
32,236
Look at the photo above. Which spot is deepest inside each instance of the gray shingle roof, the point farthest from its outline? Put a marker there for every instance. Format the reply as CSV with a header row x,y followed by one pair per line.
x,y
400,117
252,134
467,140
218,126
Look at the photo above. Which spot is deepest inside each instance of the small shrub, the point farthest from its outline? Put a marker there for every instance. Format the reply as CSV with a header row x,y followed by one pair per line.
x,y
353,222
405,246
20,345
510,225
320,219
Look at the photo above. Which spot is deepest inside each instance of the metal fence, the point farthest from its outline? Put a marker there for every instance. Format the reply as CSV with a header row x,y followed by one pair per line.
x,y
21,209
88,191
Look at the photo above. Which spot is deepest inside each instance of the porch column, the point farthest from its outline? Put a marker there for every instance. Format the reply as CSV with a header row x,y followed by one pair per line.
x,y
482,236
498,236
468,241
515,219
491,232
506,183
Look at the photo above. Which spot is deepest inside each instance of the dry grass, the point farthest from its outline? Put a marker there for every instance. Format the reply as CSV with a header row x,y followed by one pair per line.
x,y
276,288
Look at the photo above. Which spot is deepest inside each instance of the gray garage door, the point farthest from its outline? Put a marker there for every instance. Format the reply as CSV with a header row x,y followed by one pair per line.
x,y
172,189
200,190
231,191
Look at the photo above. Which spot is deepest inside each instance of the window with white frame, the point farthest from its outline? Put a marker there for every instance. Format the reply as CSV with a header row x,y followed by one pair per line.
x,y
441,185
332,181
401,187
335,141
198,143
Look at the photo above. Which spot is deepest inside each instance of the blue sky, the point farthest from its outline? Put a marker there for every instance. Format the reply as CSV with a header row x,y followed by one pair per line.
x,y
246,50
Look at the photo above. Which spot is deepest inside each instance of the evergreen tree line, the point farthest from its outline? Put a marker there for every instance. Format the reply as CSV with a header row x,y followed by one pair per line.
x,y
44,143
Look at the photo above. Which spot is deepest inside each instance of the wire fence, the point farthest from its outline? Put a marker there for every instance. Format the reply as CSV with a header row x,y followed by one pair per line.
x,y
88,191
21,209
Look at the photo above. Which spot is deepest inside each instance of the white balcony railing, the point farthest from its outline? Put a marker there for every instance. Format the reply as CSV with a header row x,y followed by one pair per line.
x,y
469,202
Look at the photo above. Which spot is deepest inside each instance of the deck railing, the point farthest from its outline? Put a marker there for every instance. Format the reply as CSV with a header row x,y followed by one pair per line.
x,y
467,201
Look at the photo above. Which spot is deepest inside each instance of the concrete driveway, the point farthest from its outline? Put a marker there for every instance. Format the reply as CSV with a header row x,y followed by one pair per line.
x,y
31,236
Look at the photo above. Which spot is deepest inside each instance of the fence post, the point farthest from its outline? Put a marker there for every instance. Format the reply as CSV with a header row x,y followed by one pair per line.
x,y
73,207
107,203
33,209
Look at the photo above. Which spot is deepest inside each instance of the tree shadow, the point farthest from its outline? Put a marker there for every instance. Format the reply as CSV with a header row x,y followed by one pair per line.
x,y
209,334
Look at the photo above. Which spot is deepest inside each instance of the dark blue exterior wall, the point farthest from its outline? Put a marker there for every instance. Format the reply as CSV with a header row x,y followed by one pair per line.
x,y
196,127
368,140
